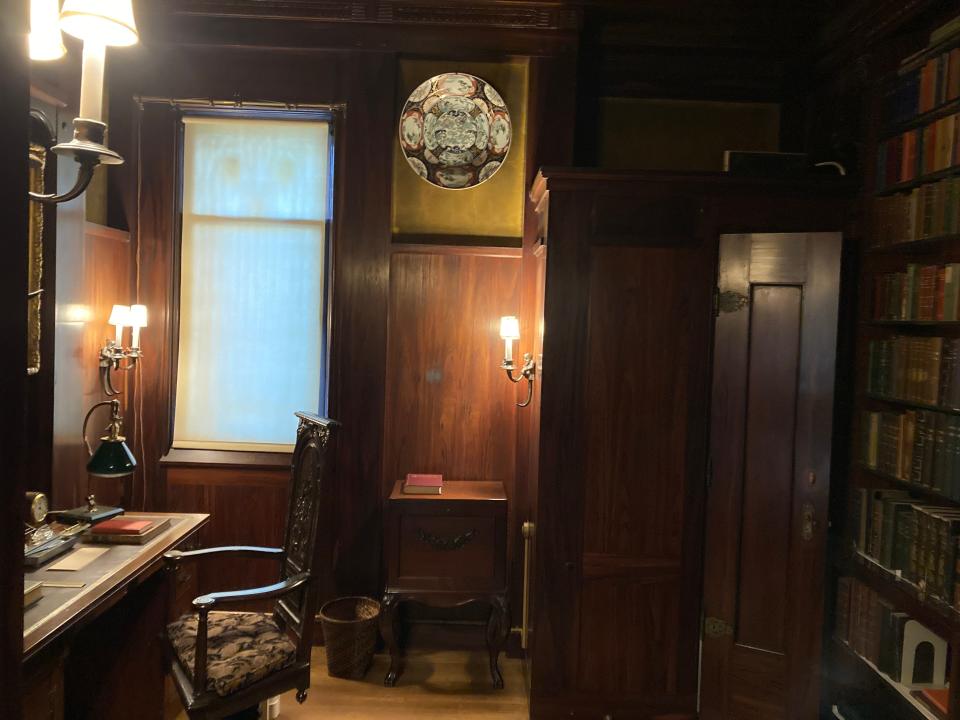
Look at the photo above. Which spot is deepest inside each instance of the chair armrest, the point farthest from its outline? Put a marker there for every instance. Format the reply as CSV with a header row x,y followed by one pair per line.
x,y
174,557
205,603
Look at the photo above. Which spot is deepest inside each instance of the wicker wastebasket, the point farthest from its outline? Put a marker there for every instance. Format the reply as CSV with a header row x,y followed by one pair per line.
x,y
350,635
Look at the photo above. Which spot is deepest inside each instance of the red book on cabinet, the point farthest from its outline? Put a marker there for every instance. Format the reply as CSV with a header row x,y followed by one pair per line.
x,y
422,484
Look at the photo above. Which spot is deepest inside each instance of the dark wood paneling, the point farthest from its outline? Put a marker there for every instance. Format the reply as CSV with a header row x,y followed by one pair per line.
x,y
14,88
246,507
154,228
449,407
550,128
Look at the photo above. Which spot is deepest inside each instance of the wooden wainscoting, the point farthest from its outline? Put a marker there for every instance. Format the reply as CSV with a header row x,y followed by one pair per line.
x,y
247,506
449,408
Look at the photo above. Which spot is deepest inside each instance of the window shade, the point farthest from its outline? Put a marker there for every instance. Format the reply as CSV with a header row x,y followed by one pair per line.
x,y
252,280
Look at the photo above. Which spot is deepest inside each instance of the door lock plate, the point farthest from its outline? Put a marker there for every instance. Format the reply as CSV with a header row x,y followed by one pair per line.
x,y
716,628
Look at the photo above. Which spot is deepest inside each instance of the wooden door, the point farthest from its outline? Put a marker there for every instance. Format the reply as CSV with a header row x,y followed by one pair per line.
x,y
623,449
771,416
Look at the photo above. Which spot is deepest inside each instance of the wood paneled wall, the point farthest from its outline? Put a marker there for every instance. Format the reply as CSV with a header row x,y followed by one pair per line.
x,y
247,506
93,274
15,91
449,408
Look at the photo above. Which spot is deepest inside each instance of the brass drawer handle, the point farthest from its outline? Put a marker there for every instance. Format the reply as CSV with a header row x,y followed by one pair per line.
x,y
445,544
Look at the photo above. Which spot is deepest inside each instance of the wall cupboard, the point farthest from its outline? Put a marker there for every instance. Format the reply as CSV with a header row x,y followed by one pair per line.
x,y
628,264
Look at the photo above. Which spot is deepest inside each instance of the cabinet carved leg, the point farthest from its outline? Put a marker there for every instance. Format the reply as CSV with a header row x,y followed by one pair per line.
x,y
498,628
390,629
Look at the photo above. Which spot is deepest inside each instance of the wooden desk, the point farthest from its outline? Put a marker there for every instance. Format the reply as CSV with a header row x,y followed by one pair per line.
x,y
95,649
444,551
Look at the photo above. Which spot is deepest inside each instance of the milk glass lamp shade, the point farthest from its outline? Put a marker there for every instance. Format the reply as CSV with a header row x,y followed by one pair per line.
x,y
46,41
101,22
112,459
138,316
120,316
509,328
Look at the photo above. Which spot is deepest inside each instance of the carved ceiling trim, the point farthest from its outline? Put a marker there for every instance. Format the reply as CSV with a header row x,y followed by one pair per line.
x,y
515,14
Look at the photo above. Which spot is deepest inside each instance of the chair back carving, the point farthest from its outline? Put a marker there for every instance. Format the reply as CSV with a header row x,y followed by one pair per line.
x,y
308,535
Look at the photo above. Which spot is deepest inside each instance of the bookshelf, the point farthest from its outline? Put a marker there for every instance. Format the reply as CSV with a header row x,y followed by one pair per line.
x,y
904,692
912,222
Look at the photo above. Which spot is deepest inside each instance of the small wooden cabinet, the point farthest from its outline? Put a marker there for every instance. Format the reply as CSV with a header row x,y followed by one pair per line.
x,y
445,551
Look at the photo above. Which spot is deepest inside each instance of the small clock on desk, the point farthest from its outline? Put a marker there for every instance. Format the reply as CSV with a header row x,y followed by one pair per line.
x,y
37,508
43,542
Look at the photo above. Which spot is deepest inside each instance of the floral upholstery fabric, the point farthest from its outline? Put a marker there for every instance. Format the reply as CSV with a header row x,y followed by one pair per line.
x,y
242,648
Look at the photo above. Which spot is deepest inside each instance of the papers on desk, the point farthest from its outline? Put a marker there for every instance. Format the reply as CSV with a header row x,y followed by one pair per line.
x,y
78,559
32,591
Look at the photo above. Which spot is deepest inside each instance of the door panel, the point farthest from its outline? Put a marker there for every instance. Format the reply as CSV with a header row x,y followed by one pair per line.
x,y
765,538
771,419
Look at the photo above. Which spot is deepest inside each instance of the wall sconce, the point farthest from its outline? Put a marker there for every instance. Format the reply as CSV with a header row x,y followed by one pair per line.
x,y
510,331
113,353
112,459
99,23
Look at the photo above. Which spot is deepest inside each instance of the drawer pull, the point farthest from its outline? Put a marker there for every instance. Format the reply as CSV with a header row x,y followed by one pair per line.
x,y
445,544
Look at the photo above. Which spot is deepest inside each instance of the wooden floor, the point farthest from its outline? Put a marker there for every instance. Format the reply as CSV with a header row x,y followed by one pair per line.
x,y
435,684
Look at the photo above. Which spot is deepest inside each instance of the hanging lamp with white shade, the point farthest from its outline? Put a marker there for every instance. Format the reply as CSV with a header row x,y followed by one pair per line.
x,y
100,24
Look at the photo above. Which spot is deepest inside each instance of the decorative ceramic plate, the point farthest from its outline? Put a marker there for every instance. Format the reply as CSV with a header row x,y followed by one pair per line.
x,y
455,130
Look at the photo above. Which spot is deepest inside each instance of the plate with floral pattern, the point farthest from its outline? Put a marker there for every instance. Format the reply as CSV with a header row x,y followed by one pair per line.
x,y
455,131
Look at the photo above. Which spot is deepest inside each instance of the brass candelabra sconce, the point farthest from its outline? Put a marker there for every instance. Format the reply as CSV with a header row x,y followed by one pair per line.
x,y
113,353
510,331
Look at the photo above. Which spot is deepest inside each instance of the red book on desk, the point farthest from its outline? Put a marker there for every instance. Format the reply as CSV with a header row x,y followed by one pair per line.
x,y
417,484
122,526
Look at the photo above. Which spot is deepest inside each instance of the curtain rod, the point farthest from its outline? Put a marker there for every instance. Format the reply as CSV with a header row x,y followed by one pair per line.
x,y
234,104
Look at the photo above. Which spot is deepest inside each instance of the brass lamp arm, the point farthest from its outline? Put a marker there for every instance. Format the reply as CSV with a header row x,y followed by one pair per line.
x,y
114,419
87,148
528,372
84,176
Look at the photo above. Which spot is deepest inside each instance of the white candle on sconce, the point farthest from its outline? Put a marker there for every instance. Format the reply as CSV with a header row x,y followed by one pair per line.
x,y
509,331
119,318
138,319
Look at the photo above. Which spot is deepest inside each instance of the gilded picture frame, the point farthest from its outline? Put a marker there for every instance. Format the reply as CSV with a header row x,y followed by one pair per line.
x,y
38,162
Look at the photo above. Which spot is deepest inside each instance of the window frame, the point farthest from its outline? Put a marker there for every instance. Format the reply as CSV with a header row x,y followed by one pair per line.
x,y
333,116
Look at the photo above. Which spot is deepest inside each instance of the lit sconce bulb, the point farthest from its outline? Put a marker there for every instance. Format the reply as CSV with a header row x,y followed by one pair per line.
x,y
120,318
46,41
138,319
509,331
100,24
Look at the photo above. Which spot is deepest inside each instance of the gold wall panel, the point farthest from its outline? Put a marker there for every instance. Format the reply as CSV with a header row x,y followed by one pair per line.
x,y
685,135
494,208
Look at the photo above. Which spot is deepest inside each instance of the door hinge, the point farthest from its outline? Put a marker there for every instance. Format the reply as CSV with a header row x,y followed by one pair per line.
x,y
716,628
728,301
709,473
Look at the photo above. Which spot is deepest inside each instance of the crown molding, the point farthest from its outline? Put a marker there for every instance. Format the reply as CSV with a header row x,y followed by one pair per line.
x,y
504,14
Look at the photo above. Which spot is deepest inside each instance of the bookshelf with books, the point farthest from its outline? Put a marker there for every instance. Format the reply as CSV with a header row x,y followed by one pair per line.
x,y
898,539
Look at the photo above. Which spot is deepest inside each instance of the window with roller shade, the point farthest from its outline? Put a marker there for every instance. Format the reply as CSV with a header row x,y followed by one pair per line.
x,y
256,209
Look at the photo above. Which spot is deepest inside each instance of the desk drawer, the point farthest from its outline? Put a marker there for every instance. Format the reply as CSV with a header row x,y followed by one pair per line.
x,y
455,552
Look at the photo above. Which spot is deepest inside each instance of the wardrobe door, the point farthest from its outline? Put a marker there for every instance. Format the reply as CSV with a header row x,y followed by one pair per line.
x,y
628,316
771,432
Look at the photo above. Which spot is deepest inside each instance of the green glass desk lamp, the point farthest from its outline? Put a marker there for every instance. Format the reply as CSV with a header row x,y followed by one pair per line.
x,y
112,459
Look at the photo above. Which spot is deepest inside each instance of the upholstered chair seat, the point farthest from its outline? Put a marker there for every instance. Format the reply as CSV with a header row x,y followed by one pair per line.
x,y
242,647
225,663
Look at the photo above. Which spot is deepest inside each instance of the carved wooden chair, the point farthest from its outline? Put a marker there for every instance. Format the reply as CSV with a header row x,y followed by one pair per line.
x,y
247,657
